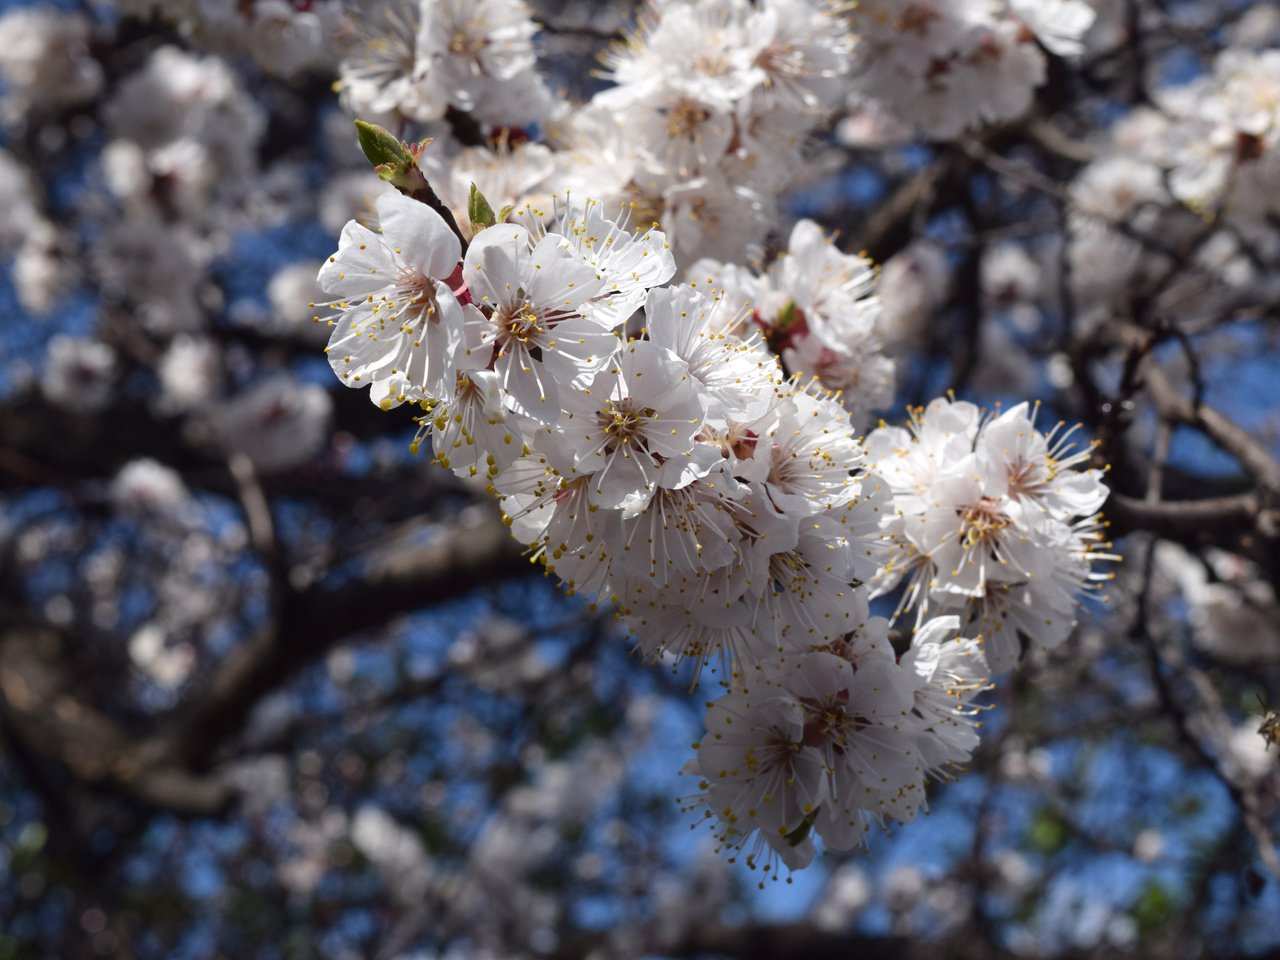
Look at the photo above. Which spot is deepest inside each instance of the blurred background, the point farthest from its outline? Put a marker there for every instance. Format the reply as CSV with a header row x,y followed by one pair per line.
x,y
273,687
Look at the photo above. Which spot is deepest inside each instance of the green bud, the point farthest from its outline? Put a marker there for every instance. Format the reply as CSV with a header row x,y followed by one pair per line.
x,y
786,316
381,148
479,211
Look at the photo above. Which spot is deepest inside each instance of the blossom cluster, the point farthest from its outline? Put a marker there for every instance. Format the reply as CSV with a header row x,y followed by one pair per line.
x,y
1222,134
686,451
421,58
992,522
829,741
648,447
1194,174
283,37
816,309
946,67
713,103
711,109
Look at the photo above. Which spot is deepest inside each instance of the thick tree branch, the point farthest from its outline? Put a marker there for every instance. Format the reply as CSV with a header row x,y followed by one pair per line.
x,y
40,707
474,551
1208,520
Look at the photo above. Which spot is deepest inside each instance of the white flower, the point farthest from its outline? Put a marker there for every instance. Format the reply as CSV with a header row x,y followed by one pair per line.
x,y
462,40
910,459
847,360
631,265
816,743
947,67
351,196
1022,463
377,79
974,535
1059,24
813,455
145,487
1010,274
1042,609
703,620
741,382
1111,190
507,175
18,195
681,136
758,773
815,307
290,294
277,423
705,49
285,39
810,597
994,521
166,665
554,514
470,431
416,58
678,536
179,97
948,671
155,266
710,217
190,373
1249,87
913,284
804,52
398,327
44,270
540,332
633,430
45,60
821,279
79,373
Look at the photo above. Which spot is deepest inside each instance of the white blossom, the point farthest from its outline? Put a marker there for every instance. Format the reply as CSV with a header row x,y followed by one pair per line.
x,y
79,373
398,326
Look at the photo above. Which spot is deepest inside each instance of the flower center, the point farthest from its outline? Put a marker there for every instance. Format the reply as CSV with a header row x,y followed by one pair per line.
x,y
788,569
982,522
1026,478
520,323
778,59
712,65
469,45
418,293
685,117
622,424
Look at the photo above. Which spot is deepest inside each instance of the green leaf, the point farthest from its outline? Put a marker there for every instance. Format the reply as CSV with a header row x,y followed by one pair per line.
x,y
505,212
479,211
32,837
1153,907
786,316
381,148
797,836
1048,833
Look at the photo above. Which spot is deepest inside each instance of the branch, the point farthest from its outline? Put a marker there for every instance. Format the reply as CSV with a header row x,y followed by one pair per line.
x,y
1188,520
1166,665
40,708
475,551
892,226
1252,455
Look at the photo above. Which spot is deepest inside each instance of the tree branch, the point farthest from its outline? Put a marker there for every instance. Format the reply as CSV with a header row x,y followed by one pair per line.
x,y
475,551
40,708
